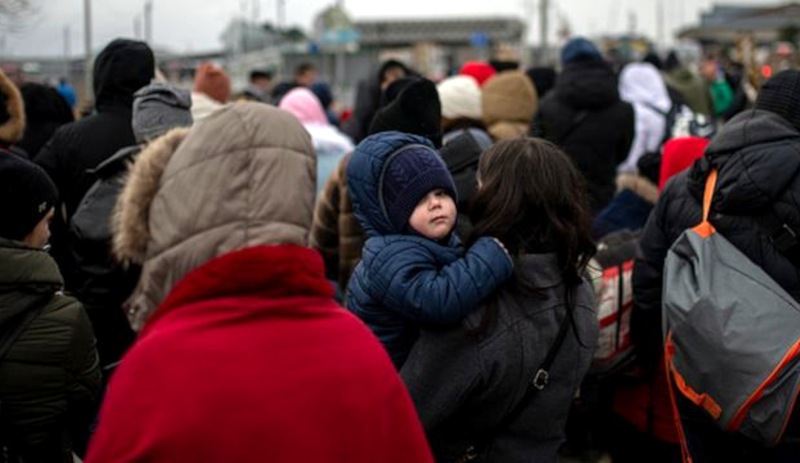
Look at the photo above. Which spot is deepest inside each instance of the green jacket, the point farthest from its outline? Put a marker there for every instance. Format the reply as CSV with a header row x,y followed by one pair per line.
x,y
694,89
50,378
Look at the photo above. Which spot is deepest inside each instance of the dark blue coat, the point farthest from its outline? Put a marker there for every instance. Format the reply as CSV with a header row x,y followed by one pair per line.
x,y
406,281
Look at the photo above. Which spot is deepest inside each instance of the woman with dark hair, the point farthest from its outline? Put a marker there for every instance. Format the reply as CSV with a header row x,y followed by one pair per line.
x,y
499,385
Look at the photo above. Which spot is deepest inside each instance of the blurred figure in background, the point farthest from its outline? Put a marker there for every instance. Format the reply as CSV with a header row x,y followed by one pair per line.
x,y
12,118
509,105
67,92
641,85
45,112
211,91
368,98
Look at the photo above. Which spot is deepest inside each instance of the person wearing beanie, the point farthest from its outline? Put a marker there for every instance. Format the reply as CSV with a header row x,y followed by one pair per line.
x,y
102,284
584,116
49,375
242,353
478,70
211,90
509,105
464,139
414,271
120,69
12,117
368,97
755,155
416,109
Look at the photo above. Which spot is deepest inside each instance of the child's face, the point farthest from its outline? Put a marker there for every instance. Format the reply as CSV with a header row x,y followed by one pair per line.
x,y
434,216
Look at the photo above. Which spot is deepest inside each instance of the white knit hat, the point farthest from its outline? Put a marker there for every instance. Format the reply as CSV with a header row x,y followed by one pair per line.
x,y
460,97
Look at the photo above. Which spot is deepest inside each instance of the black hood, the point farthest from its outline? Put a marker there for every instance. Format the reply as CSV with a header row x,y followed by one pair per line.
x,y
587,85
122,68
757,154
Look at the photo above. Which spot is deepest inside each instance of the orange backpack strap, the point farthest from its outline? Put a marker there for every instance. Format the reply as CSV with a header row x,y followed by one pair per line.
x,y
704,228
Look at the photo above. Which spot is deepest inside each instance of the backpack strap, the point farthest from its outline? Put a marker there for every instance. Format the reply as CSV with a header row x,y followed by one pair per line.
x,y
704,228
538,382
8,337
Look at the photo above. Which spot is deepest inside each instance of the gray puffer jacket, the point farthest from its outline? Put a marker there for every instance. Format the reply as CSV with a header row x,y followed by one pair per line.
x,y
464,384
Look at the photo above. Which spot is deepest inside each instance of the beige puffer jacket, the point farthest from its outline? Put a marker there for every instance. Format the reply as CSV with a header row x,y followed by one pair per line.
x,y
246,176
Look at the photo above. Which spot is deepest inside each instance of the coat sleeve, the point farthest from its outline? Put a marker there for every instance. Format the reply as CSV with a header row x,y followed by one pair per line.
x,y
647,286
325,226
85,385
408,282
441,372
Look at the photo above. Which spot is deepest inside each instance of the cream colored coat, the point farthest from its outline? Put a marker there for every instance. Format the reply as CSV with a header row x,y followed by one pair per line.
x,y
243,177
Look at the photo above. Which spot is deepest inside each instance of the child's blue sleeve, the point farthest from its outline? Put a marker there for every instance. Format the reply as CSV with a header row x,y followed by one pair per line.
x,y
414,286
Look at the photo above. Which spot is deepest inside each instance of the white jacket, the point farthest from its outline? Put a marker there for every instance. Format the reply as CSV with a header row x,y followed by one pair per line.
x,y
642,85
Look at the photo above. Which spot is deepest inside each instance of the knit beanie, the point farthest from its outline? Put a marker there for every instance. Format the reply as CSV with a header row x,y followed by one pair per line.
x,y
409,176
580,49
781,95
26,196
416,110
478,70
159,107
460,97
212,81
678,155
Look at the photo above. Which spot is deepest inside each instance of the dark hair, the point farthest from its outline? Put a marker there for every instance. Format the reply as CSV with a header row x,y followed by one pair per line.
x,y
533,199
255,75
303,68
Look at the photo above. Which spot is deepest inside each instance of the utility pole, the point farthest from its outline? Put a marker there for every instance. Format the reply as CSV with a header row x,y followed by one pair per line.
x,y
148,22
137,27
544,7
660,22
67,52
87,41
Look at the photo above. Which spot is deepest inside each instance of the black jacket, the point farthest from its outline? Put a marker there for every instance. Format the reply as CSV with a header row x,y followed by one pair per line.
x,y
49,378
121,69
585,117
758,157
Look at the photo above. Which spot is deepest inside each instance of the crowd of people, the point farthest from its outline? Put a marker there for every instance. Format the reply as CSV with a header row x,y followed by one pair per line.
x,y
202,275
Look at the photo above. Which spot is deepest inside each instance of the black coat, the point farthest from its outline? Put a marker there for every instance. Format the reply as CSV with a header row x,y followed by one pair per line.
x,y
758,157
585,117
120,70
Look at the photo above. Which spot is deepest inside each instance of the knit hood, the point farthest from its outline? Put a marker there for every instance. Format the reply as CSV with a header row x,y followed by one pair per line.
x,y
509,97
587,85
195,194
12,112
365,174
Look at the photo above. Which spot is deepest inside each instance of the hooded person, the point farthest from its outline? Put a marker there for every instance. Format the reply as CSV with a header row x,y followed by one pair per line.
x,y
49,375
368,97
102,284
211,90
464,139
641,85
509,105
229,285
543,79
693,88
330,144
411,106
122,67
45,112
584,115
755,155
12,117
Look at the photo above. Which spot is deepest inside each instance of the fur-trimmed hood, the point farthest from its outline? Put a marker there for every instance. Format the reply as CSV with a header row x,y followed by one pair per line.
x,y
643,187
12,114
245,176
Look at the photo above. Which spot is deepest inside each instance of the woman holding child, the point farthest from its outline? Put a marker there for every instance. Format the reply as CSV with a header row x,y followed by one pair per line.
x,y
478,385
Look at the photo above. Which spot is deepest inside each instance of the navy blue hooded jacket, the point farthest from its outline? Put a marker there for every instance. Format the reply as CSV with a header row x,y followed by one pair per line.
x,y
407,281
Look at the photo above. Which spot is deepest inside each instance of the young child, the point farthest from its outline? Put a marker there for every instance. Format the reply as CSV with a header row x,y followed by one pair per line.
x,y
413,270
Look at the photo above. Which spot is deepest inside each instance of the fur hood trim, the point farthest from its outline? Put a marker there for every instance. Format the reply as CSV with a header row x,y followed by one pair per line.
x,y
13,129
643,187
130,222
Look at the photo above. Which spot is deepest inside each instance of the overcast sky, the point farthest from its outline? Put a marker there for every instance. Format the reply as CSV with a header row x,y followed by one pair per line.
x,y
195,25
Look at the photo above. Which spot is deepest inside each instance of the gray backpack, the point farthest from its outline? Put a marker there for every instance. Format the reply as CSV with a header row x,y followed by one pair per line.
x,y
732,334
